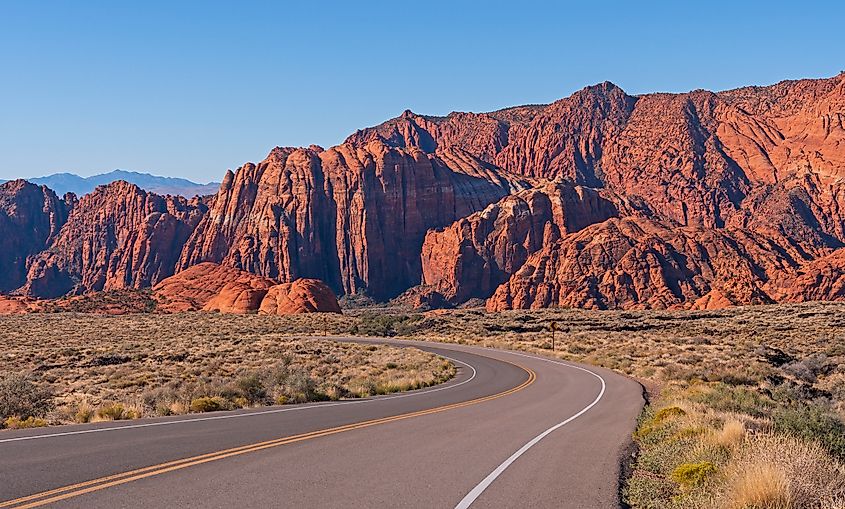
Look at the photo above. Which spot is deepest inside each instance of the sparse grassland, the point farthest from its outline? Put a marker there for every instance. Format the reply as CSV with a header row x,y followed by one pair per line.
x,y
746,404
67,367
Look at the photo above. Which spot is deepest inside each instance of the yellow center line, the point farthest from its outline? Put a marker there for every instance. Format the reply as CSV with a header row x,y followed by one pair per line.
x,y
75,490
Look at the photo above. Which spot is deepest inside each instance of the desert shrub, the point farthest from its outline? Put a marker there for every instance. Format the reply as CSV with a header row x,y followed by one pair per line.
x,y
726,398
299,387
21,397
252,388
809,369
760,485
386,325
165,400
812,422
210,404
116,412
651,426
362,388
668,412
29,422
731,435
84,413
689,475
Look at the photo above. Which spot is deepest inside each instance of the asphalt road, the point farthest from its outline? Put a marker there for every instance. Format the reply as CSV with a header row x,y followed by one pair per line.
x,y
510,430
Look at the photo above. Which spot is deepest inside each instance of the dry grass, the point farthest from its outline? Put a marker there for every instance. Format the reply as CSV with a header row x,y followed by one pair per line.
x,y
759,486
776,472
731,435
122,367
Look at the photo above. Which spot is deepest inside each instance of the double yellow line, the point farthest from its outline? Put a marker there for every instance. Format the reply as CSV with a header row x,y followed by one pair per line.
x,y
75,490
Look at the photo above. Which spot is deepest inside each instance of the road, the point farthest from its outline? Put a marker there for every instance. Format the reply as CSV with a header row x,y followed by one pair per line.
x,y
510,430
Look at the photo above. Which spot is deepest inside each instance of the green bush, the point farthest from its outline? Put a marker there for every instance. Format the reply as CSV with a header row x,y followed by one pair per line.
x,y
814,422
29,422
252,388
690,475
209,404
728,398
668,412
21,397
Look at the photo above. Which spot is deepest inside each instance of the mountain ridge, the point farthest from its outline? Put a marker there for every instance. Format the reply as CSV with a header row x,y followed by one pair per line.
x,y
599,199
65,182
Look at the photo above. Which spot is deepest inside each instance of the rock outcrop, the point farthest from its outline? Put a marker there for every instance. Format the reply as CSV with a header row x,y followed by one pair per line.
x,y
300,296
193,289
353,216
212,287
118,236
476,254
820,279
642,263
30,218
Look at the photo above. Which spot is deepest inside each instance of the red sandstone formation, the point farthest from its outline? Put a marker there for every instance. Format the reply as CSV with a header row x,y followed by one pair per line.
x,y
820,279
30,218
213,287
642,263
655,199
118,236
300,296
476,254
200,285
352,216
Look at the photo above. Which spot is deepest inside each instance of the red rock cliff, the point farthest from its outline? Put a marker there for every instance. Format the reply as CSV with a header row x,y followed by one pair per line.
x,y
118,236
30,218
353,216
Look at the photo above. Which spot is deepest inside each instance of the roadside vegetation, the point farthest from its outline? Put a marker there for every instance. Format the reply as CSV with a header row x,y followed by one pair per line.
x,y
68,367
746,405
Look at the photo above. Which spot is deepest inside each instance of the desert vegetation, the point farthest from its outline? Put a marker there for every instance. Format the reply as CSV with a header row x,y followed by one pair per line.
x,y
68,367
746,405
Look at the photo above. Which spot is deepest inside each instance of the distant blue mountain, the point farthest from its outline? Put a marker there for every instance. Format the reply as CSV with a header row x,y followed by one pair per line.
x,y
62,183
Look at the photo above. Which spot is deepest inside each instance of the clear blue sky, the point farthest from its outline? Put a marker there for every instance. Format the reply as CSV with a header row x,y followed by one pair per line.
x,y
191,89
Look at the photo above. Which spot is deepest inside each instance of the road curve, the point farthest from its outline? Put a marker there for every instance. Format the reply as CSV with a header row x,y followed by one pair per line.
x,y
510,430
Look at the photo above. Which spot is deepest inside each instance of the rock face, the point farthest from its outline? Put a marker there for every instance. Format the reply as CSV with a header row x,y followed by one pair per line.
x,y
300,296
353,216
820,279
118,236
766,161
476,254
643,263
212,287
601,199
30,218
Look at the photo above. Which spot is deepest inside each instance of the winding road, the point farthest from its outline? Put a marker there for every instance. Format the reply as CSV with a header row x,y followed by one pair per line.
x,y
510,430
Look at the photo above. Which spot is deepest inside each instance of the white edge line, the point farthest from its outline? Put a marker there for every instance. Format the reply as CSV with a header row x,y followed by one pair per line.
x,y
251,414
487,481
